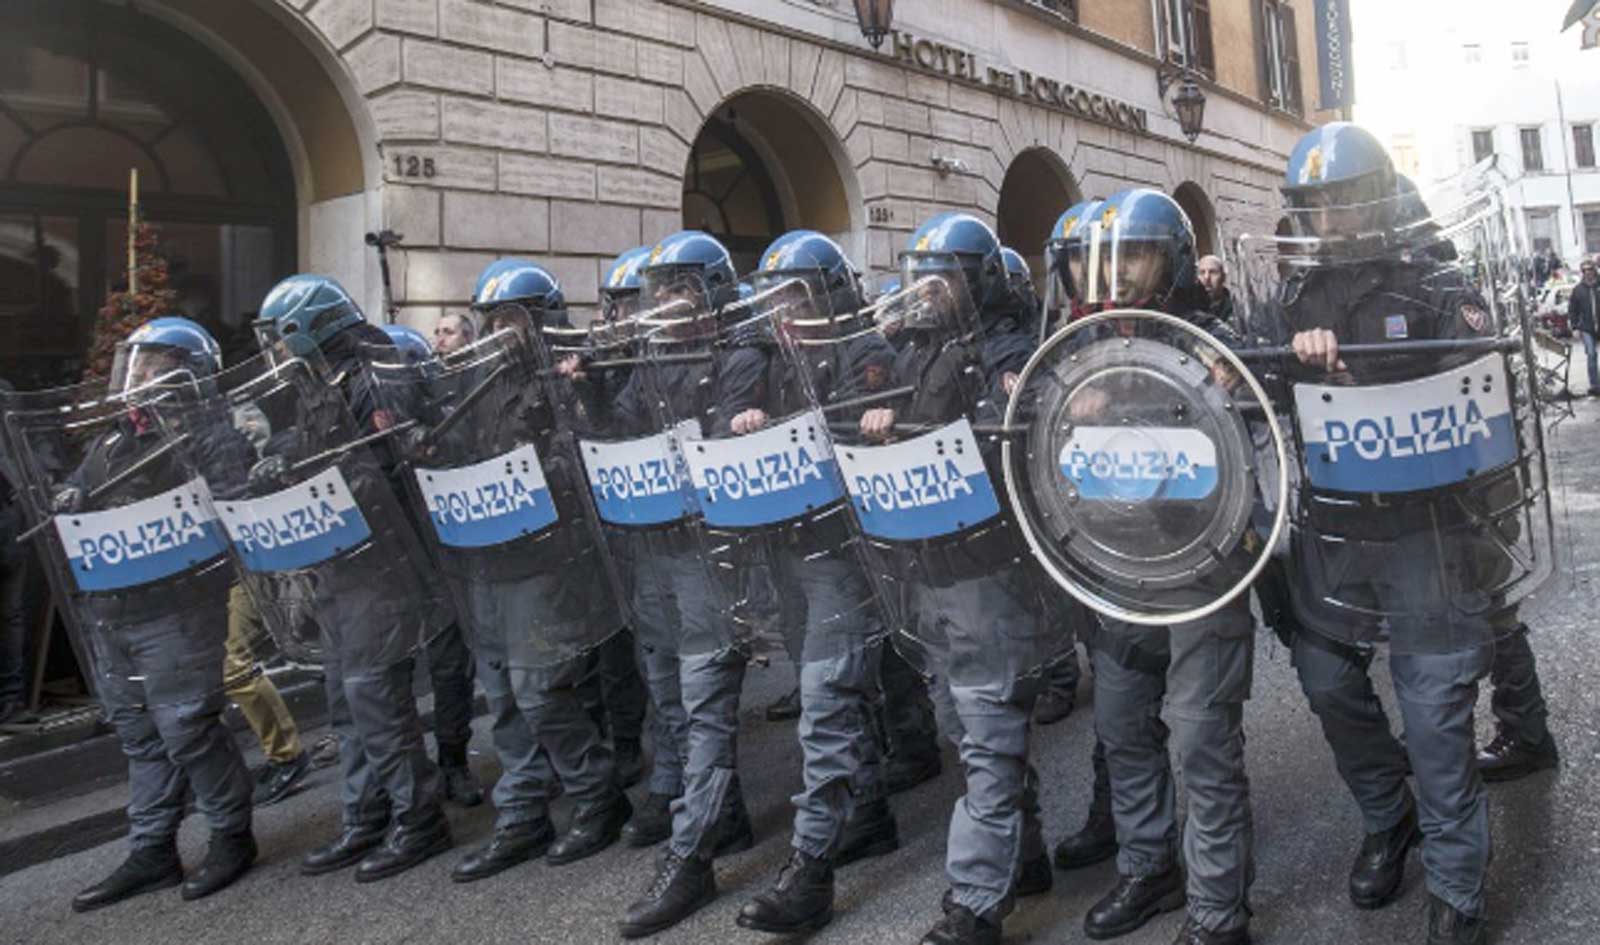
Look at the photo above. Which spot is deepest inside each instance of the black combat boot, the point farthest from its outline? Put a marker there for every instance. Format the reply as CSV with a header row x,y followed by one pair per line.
x,y
1193,933
347,849
1134,901
146,869
733,831
460,784
870,831
517,843
227,857
961,926
406,846
1509,758
1034,878
1380,867
1095,843
1446,926
800,901
651,823
680,887
594,827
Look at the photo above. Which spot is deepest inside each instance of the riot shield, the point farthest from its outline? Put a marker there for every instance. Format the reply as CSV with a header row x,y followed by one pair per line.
x,y
628,463
312,520
495,481
773,534
1422,512
135,554
920,454
1134,469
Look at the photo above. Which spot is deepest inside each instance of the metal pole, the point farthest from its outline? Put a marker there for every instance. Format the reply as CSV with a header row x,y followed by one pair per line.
x,y
1566,159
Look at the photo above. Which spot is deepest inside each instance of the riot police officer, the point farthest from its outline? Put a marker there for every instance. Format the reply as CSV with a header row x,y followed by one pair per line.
x,y
835,623
1140,254
977,619
387,774
1342,192
449,659
537,605
156,646
691,274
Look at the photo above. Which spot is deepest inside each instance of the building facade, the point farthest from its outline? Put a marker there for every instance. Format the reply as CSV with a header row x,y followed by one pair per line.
x,y
1449,84
273,135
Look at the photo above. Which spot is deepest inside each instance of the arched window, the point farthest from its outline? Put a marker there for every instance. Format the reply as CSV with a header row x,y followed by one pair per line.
x,y
88,92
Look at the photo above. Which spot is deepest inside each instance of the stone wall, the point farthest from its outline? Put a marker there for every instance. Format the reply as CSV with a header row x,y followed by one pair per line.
x,y
559,129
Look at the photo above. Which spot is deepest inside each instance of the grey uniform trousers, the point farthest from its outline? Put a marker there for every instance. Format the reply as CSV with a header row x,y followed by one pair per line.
x,y
842,764
983,696
1436,694
711,668
536,695
1517,699
1205,686
450,665
656,628
181,743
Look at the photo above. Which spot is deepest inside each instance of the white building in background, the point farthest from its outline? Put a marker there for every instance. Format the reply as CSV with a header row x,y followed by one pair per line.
x,y
1446,82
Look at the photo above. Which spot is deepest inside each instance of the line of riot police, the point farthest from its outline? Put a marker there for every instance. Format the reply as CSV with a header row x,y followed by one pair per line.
x,y
928,496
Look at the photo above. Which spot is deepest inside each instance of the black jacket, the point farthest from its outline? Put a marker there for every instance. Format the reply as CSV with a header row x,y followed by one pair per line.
x,y
1583,307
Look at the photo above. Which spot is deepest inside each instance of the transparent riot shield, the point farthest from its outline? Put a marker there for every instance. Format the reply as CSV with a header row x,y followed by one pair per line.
x,y
312,519
135,554
919,449
1134,468
769,524
495,480
1422,512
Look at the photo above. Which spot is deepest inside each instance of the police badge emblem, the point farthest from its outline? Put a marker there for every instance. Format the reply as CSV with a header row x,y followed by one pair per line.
x,y
1394,327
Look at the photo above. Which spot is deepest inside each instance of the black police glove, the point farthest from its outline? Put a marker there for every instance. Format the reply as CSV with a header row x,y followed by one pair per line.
x,y
268,473
67,500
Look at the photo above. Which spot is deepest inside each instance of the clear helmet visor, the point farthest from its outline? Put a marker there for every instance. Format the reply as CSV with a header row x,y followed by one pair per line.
x,y
137,367
1116,266
674,305
618,305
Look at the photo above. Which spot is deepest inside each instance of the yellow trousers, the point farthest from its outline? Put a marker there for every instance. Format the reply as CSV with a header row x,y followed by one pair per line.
x,y
251,689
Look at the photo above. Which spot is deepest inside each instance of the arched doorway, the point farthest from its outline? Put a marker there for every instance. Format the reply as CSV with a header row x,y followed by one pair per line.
x,y
1036,190
1197,205
89,91
763,164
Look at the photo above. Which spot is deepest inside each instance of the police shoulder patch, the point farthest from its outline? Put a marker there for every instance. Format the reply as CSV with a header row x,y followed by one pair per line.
x,y
1394,327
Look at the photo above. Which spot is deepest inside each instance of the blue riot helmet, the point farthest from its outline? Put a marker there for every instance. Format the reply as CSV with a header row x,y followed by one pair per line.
x,y
619,292
162,347
305,311
412,344
1340,184
967,241
1065,255
519,295
1138,251
1019,280
688,270
817,262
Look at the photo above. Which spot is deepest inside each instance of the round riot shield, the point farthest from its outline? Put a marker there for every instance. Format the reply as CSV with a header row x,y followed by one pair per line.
x,y
1133,468
311,518
135,554
494,483
1422,513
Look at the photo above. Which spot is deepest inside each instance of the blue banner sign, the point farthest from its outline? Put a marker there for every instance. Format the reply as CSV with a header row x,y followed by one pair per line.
x,y
300,526
1335,63
635,482
762,478
488,503
1140,464
143,541
933,485
1422,434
